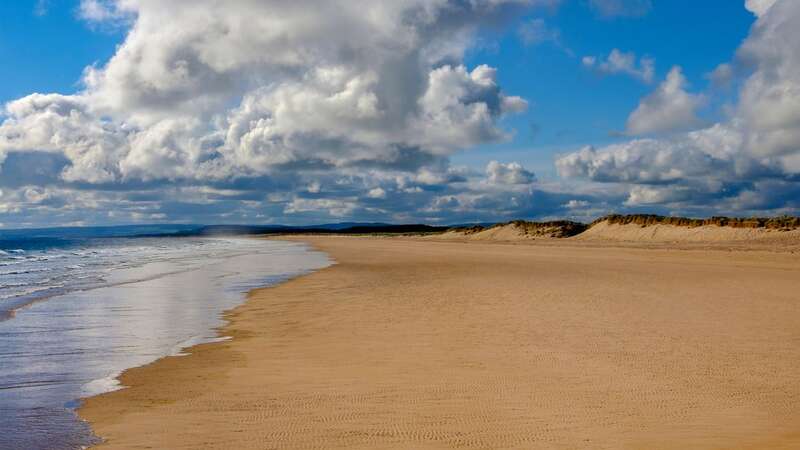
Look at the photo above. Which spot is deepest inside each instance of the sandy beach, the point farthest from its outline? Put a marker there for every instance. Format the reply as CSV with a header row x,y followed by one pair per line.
x,y
416,344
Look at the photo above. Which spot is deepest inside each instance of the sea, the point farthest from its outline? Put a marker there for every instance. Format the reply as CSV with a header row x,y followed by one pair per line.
x,y
80,305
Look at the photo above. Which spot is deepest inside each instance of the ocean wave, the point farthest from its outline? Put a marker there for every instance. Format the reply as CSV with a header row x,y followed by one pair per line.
x,y
11,255
38,282
31,292
9,263
45,272
25,271
48,257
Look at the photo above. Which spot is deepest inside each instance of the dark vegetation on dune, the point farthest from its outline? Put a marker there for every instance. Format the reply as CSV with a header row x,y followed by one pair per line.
x,y
556,229
471,229
771,223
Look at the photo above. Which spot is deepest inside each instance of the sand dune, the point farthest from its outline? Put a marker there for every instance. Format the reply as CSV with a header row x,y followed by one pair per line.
x,y
514,231
632,232
413,344
637,229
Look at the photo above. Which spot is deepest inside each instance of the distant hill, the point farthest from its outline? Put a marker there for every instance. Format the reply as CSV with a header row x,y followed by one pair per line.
x,y
101,231
338,228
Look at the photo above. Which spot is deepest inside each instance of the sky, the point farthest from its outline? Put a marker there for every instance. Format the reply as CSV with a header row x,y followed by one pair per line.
x,y
435,111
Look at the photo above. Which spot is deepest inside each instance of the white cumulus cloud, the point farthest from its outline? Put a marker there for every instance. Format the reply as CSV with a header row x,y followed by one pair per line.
x,y
669,108
748,162
511,173
759,7
257,108
340,84
619,62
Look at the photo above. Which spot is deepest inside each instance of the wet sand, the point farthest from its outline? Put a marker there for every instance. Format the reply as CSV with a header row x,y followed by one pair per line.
x,y
422,344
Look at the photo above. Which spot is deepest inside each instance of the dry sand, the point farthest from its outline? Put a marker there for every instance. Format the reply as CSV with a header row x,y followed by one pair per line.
x,y
416,344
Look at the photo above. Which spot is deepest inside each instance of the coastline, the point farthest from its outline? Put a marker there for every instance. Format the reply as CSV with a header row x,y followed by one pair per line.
x,y
129,377
122,303
384,374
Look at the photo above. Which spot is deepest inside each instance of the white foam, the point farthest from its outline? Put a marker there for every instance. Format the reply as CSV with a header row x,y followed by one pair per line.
x,y
102,385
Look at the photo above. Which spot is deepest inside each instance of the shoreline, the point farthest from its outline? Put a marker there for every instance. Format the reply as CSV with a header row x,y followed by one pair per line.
x,y
221,333
155,412
131,303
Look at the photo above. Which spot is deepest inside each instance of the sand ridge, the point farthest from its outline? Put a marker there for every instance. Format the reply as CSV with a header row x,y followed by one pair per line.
x,y
517,230
420,344
672,233
646,230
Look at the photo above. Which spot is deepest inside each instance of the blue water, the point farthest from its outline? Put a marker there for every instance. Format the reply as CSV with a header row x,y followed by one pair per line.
x,y
78,306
